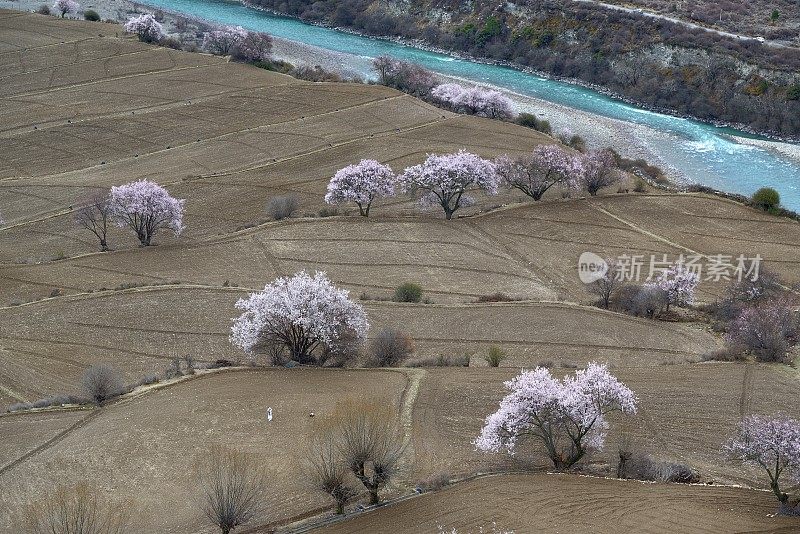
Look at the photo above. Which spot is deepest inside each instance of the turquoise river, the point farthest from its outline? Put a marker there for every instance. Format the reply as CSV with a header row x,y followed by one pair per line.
x,y
705,153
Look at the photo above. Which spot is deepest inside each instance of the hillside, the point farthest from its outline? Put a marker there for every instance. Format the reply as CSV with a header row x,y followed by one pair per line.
x,y
85,108
656,62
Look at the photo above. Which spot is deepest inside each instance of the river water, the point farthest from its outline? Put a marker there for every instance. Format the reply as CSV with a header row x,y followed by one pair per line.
x,y
702,152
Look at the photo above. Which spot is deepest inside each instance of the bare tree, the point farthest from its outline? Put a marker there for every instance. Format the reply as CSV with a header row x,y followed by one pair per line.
x,y
369,443
327,471
608,285
232,484
95,216
389,348
75,510
102,382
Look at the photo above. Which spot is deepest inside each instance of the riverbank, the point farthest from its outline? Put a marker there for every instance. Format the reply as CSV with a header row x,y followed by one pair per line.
x,y
629,138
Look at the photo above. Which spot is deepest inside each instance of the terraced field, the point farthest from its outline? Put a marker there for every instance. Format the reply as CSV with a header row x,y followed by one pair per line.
x,y
84,108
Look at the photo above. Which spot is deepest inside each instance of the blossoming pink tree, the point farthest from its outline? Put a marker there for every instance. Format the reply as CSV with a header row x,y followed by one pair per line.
x,y
444,180
361,183
567,416
597,171
146,27
771,443
767,331
535,173
66,6
146,207
474,100
306,315
678,284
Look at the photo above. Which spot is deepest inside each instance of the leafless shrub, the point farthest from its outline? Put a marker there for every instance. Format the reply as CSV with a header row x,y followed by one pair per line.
x,y
75,510
232,483
636,465
95,216
641,301
568,365
101,383
435,482
606,286
496,297
766,331
369,443
282,207
327,471
47,402
728,354
440,361
173,370
741,294
389,348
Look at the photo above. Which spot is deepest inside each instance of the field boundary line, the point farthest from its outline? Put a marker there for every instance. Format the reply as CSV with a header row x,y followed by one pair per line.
x,y
50,442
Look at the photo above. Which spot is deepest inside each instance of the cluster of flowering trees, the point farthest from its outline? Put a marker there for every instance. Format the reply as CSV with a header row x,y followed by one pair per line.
x,y
239,43
567,416
66,6
444,180
473,100
769,443
440,180
306,315
146,27
143,206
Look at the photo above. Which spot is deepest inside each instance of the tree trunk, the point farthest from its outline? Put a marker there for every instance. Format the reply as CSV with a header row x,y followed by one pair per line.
x,y
373,496
339,508
103,246
782,497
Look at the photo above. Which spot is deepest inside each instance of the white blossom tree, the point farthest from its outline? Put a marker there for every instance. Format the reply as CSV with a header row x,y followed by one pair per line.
x,y
308,315
535,173
678,284
444,180
361,183
146,27
771,443
66,6
567,416
146,207
255,46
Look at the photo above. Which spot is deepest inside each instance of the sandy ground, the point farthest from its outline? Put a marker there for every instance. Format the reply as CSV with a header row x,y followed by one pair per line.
x,y
630,140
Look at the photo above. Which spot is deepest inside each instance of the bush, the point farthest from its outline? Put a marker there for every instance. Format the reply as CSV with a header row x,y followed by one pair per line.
x,y
434,483
441,361
282,207
496,297
640,187
91,15
495,356
43,9
641,301
101,383
408,292
766,198
47,402
389,349
529,120
75,509
766,331
635,465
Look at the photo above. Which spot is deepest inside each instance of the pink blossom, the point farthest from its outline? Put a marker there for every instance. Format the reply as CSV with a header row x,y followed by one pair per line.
x,y
145,207
678,284
474,100
444,180
772,443
567,416
534,174
302,313
146,27
597,170
66,6
361,183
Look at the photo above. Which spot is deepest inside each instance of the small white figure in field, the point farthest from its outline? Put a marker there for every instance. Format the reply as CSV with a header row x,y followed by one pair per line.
x,y
269,413
311,414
